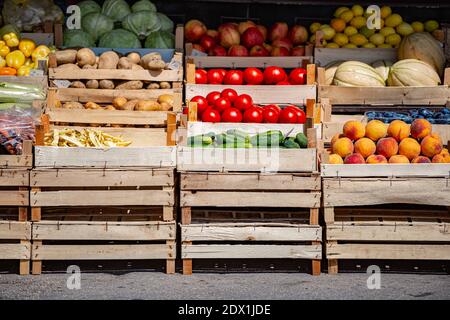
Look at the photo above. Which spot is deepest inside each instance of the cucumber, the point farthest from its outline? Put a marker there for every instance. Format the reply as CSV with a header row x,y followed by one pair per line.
x,y
224,138
272,138
237,145
238,133
199,141
302,140
290,143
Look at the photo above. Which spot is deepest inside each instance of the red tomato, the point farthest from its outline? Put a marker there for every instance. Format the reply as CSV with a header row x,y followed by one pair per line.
x,y
222,104
211,115
234,77
287,115
243,102
283,83
201,76
253,115
270,115
301,116
215,76
222,71
273,75
273,106
202,103
213,96
230,94
259,108
231,115
298,76
253,76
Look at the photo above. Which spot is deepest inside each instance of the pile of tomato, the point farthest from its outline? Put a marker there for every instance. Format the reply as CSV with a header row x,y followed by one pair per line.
x,y
228,106
251,76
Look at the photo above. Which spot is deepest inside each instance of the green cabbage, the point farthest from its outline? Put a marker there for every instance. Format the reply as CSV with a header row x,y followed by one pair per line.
x,y
88,6
96,24
143,5
116,9
160,40
119,38
78,38
166,23
142,23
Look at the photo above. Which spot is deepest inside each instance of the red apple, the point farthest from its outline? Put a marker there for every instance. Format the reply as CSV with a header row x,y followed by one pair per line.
x,y
213,34
238,51
252,37
298,51
263,30
245,25
285,42
229,37
207,42
194,30
298,35
268,47
279,52
259,51
228,25
198,47
278,31
217,51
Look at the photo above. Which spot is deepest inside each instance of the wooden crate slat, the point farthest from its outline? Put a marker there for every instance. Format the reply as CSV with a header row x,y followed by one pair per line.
x,y
250,232
116,74
386,170
324,56
14,178
102,252
388,251
250,199
91,230
13,161
223,251
108,95
14,198
15,230
246,62
10,251
102,198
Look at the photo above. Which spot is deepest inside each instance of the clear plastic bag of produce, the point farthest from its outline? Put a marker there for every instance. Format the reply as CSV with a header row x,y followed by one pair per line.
x,y
17,124
20,92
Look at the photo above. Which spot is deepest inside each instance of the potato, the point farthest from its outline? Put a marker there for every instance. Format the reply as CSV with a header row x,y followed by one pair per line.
x,y
148,105
66,56
68,66
153,85
119,102
77,84
136,67
72,105
166,106
153,61
85,56
165,85
134,57
92,84
124,63
167,98
106,84
88,66
109,107
58,103
130,105
92,105
108,60
130,85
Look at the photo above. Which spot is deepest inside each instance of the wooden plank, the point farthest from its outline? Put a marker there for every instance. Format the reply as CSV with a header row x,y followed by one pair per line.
x,y
9,251
92,230
116,74
253,159
245,62
15,230
102,252
250,232
248,181
14,178
354,192
388,251
250,199
438,95
102,198
107,95
14,198
98,177
388,231
261,94
223,251
386,170
324,56
12,161
54,157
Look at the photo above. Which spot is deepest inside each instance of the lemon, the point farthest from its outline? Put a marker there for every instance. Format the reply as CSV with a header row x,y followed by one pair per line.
x,y
377,39
404,29
350,46
358,39
366,32
347,16
382,23
387,31
431,25
369,45
393,20
328,33
384,45
324,26
339,10
393,39
385,12
357,10
314,27
358,22
340,39
332,45
349,31
417,26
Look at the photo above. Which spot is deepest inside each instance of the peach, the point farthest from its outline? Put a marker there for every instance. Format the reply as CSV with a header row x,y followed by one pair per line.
x,y
398,130
375,130
354,158
436,136
335,159
439,158
375,159
343,147
387,147
421,159
335,137
445,151
354,130
431,146
398,159
409,148
420,128
365,147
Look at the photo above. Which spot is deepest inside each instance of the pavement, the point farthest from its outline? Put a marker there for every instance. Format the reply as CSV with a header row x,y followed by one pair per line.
x,y
286,286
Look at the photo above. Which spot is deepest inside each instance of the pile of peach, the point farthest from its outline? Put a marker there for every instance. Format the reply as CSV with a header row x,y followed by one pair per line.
x,y
379,143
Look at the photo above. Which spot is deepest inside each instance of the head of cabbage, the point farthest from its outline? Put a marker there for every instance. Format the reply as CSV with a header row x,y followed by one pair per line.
x,y
119,38
77,38
142,23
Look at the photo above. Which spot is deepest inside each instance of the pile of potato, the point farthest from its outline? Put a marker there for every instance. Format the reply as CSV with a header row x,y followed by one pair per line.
x,y
85,58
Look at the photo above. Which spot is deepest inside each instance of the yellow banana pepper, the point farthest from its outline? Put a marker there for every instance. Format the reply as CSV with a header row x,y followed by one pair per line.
x,y
27,46
24,71
41,52
15,59
4,50
2,62
11,39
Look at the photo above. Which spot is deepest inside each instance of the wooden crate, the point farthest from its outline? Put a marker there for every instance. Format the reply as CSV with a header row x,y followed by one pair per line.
x,y
51,35
384,236
72,220
325,56
233,239
15,243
